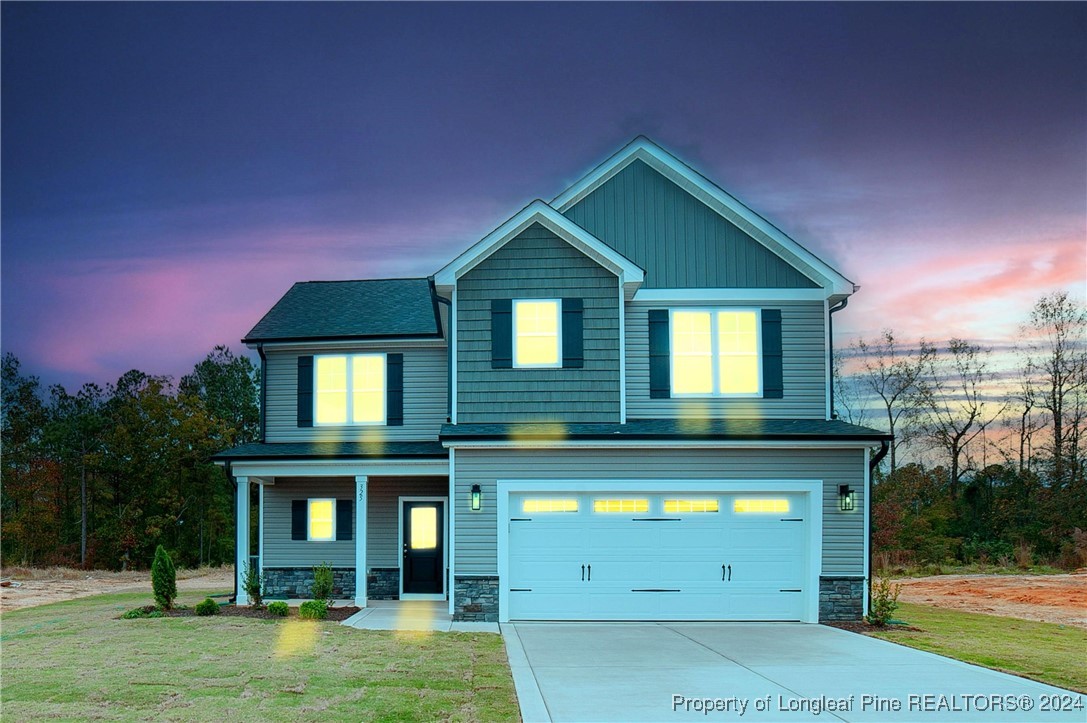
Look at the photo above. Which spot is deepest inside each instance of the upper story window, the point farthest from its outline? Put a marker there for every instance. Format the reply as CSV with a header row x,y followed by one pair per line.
x,y
536,333
349,389
715,352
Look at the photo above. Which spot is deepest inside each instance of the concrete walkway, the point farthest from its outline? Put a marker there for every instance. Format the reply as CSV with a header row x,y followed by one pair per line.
x,y
413,615
756,672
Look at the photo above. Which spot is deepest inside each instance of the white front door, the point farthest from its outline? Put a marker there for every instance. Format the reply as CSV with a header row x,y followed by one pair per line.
x,y
659,556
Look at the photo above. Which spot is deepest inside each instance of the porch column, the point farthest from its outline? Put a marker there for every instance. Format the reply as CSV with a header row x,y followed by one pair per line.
x,y
241,549
360,541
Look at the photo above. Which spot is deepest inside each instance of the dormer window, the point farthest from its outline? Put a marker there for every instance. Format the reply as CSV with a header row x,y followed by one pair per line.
x,y
536,333
715,353
349,389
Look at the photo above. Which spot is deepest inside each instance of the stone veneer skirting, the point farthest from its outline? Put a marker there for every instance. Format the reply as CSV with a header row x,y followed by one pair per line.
x,y
383,583
297,582
841,599
475,597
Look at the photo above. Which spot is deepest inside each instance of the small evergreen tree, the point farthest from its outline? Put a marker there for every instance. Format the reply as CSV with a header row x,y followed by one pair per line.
x,y
163,579
253,583
322,583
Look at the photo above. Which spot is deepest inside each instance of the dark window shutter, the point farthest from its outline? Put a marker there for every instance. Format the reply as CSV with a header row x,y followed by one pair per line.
x,y
772,386
394,390
298,520
305,391
660,362
501,333
573,344
343,519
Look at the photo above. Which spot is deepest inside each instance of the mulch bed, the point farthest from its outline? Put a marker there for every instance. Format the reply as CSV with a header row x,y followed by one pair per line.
x,y
866,629
335,614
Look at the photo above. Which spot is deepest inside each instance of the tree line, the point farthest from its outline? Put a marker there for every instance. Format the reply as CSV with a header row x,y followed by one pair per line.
x,y
101,477
988,464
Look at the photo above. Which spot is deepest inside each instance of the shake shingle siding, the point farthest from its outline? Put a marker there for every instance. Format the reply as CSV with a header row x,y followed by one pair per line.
x,y
537,264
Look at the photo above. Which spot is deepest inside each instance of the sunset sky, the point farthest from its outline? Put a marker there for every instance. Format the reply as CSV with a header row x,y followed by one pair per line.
x,y
169,170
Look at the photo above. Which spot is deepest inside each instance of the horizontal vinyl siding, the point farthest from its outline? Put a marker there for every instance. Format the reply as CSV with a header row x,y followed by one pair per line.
x,y
279,549
677,239
537,264
425,405
803,367
843,533
383,518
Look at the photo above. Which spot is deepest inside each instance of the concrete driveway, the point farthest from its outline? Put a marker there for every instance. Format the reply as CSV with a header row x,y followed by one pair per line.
x,y
756,672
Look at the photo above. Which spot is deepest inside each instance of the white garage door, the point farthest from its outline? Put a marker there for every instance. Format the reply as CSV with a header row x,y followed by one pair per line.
x,y
669,556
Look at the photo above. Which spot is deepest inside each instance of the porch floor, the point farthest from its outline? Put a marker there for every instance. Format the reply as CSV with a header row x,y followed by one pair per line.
x,y
413,615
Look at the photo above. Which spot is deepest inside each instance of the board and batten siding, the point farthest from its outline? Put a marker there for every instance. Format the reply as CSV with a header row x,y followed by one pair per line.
x,y
425,400
536,264
804,367
476,542
383,517
678,240
279,549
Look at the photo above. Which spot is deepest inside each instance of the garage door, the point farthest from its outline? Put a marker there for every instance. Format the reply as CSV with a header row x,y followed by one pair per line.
x,y
669,556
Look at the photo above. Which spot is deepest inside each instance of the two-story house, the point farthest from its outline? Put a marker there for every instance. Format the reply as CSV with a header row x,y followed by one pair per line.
x,y
615,406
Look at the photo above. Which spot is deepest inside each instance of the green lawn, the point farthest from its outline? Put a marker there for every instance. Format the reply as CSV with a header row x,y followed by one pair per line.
x,y
1046,652
72,660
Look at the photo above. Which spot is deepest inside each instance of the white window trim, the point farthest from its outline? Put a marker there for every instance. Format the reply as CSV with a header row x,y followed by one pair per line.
x,y
351,392
309,505
558,334
715,353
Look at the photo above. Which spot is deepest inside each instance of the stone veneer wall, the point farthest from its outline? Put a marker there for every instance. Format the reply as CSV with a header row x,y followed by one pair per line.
x,y
475,597
841,599
297,582
383,583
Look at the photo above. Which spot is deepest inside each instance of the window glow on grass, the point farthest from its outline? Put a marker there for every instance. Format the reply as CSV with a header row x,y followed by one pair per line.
x,y
536,333
321,514
674,506
549,505
608,506
757,505
424,528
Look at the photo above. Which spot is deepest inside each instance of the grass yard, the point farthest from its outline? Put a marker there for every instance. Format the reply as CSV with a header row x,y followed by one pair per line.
x,y
1045,652
72,660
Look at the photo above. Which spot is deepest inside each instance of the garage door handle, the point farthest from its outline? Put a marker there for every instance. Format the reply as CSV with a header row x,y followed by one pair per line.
x,y
722,573
656,519
790,591
583,573
590,573
654,589
730,573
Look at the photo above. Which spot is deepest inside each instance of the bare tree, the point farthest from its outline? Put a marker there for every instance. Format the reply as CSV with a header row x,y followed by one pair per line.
x,y
953,391
849,403
890,374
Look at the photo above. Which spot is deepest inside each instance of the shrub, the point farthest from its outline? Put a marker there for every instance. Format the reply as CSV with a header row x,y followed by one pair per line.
x,y
207,607
163,579
322,583
883,603
146,611
279,609
313,610
253,584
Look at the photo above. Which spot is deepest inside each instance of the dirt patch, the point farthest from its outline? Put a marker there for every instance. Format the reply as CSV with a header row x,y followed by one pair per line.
x,y
1058,599
30,586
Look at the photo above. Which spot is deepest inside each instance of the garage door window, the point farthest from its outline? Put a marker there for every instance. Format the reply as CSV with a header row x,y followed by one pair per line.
x,y
759,505
549,505
682,505
620,505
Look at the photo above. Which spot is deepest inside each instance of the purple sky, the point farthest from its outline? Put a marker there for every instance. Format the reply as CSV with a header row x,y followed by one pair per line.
x,y
170,169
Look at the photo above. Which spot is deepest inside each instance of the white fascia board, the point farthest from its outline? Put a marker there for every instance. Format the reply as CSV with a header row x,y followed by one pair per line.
x,y
564,228
659,444
318,345
700,187
341,468
723,295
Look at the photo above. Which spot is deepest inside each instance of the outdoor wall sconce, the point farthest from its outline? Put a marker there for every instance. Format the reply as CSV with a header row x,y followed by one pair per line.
x,y
845,498
477,498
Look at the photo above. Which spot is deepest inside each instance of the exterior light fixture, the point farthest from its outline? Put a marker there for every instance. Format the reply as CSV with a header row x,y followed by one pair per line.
x,y
477,498
845,498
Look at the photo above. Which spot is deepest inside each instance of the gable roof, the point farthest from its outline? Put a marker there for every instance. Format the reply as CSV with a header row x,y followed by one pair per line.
x,y
543,214
693,182
325,310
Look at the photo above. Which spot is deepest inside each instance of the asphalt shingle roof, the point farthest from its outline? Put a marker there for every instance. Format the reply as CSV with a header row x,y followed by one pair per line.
x,y
329,450
350,310
695,429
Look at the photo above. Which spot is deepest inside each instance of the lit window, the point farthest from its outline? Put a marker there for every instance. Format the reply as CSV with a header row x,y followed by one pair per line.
x,y
715,353
349,389
424,528
629,505
757,505
674,506
536,334
322,519
549,505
